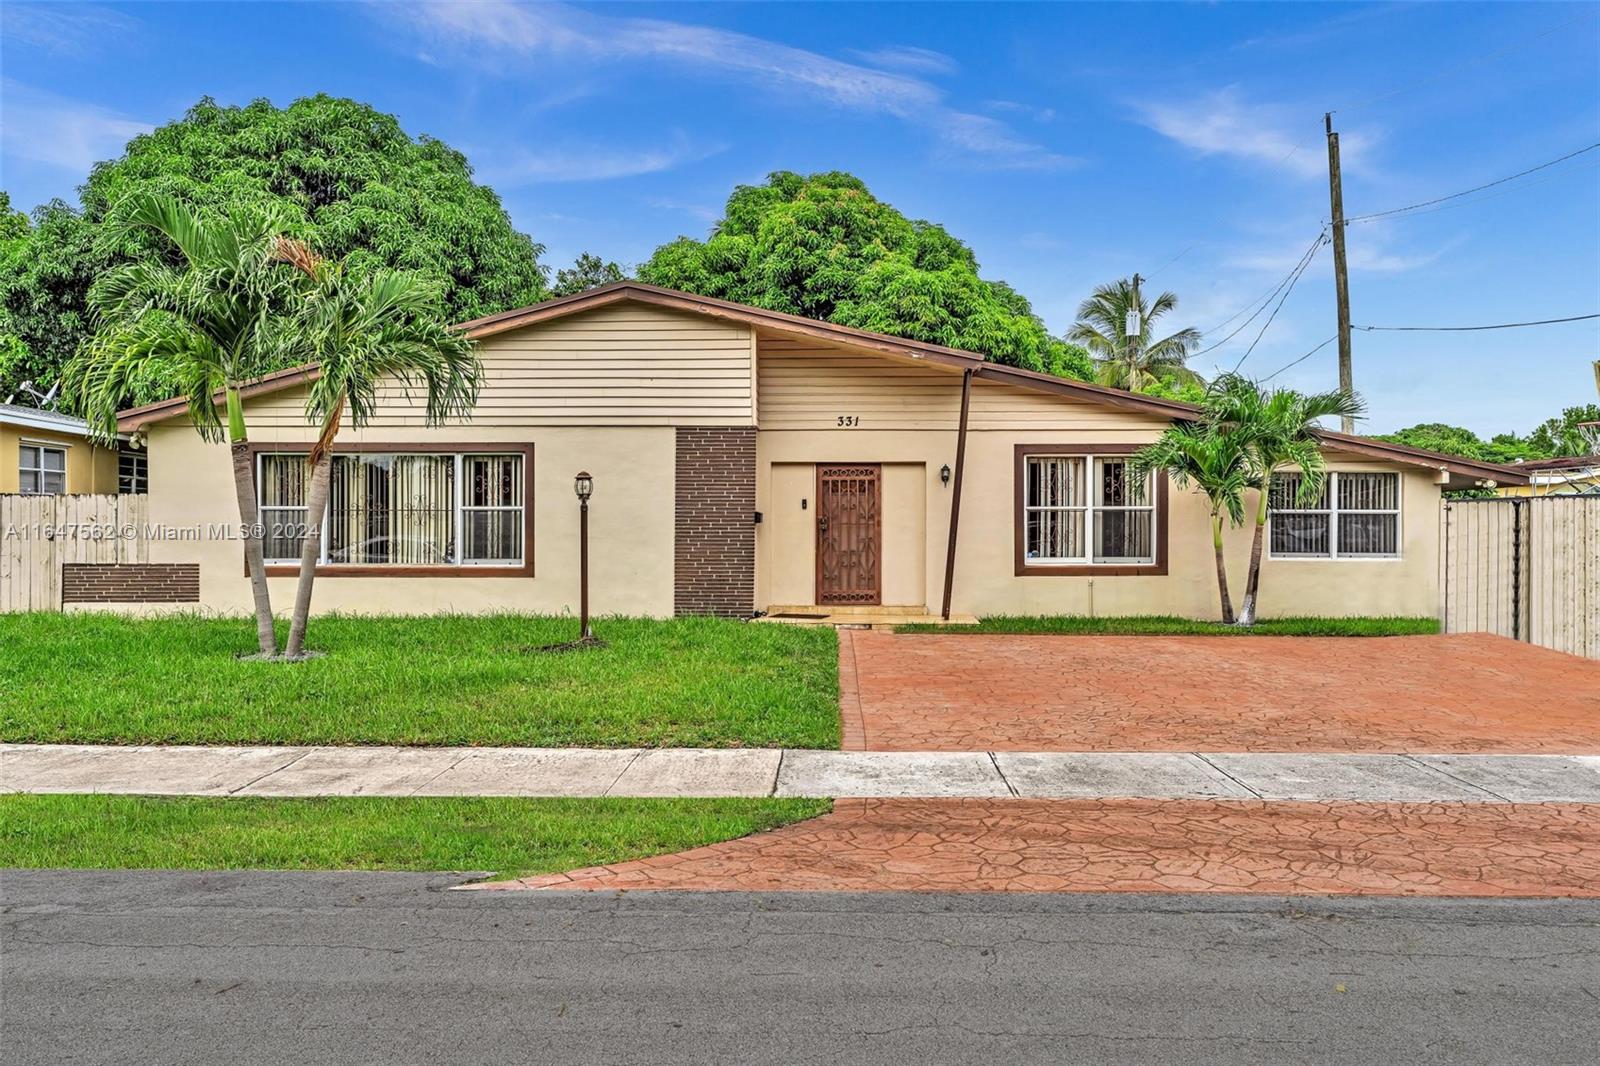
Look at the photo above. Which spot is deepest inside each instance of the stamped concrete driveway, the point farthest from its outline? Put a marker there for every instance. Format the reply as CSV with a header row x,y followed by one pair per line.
x,y
988,692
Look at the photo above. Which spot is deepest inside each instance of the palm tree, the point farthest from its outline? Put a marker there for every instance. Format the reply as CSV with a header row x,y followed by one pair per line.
x,y
215,320
1216,464
1101,328
365,331
1277,428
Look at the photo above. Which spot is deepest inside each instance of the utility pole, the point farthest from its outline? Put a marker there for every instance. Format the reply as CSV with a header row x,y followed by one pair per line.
x,y
1133,330
1341,275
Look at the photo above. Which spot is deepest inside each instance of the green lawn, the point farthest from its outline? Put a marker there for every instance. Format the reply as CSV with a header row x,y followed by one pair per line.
x,y
1168,625
511,837
690,682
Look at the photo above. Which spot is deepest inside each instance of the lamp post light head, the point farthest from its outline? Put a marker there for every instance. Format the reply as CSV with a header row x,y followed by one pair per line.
x,y
583,485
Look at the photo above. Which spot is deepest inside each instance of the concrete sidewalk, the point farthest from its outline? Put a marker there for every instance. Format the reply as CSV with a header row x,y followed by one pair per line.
x,y
353,771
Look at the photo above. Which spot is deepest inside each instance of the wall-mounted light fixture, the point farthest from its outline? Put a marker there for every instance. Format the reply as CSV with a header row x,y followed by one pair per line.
x,y
944,474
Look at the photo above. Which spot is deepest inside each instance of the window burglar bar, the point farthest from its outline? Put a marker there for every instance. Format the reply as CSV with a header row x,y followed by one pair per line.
x,y
399,509
1356,516
1071,517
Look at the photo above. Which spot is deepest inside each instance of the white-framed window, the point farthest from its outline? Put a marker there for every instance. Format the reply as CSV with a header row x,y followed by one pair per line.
x,y
133,472
41,469
425,509
1082,510
1356,516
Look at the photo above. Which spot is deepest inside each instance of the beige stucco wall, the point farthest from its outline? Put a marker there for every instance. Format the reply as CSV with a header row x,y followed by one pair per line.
x,y
90,468
786,541
603,391
799,435
630,524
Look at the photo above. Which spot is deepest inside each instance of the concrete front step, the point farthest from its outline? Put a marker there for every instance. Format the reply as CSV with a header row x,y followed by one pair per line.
x,y
383,771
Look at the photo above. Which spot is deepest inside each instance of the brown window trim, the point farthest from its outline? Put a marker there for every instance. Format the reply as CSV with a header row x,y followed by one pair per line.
x,y
383,570
1019,484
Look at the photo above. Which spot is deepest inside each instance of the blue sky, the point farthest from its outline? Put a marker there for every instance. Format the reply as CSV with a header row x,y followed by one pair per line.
x,y
1068,145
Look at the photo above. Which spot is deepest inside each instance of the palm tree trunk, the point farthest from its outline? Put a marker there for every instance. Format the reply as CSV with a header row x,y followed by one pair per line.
x,y
1247,613
321,460
310,553
244,484
1222,568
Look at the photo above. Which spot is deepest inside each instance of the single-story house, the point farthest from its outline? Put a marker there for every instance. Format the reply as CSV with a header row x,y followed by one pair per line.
x,y
747,461
48,453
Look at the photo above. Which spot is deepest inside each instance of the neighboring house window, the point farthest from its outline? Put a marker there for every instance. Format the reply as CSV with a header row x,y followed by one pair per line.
x,y
1082,510
394,509
42,470
1357,516
133,472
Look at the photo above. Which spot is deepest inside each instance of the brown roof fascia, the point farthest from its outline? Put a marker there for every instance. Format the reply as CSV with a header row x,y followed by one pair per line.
x,y
1382,449
136,418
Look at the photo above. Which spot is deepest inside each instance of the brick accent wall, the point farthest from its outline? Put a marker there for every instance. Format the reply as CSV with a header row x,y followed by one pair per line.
x,y
715,558
130,582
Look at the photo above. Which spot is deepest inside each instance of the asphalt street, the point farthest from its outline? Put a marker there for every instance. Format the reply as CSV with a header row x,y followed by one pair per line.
x,y
248,968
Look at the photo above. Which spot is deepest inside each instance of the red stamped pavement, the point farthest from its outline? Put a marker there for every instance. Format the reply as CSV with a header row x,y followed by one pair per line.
x,y
1460,693
1471,849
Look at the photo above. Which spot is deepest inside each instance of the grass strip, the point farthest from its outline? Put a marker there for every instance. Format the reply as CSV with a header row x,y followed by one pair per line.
x,y
512,837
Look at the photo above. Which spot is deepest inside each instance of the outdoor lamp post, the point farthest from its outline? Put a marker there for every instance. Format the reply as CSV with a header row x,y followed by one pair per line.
x,y
583,485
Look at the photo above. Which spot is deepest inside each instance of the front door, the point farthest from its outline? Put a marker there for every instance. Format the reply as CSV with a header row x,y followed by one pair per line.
x,y
849,534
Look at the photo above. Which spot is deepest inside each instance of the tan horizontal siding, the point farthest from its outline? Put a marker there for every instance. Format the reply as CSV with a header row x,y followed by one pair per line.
x,y
621,365
808,385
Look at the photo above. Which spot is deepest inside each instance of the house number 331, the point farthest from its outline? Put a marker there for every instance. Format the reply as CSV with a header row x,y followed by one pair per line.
x,y
849,420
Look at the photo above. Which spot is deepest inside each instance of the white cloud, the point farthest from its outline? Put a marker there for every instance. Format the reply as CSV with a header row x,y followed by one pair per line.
x,y
69,29
1038,114
592,162
517,30
703,212
1223,123
1369,250
44,128
908,57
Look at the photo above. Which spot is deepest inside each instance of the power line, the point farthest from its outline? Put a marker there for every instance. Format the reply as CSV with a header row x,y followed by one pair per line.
x,y
1304,265
1469,192
1303,358
1470,329
1299,267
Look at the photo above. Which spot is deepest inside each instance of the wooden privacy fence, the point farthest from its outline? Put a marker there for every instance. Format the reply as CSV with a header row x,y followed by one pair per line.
x,y
40,533
1524,567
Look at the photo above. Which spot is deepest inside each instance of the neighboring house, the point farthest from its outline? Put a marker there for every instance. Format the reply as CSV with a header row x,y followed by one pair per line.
x,y
748,461
47,453
1568,476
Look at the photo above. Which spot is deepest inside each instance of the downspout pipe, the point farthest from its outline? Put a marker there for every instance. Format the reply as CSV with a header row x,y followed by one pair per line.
x,y
955,495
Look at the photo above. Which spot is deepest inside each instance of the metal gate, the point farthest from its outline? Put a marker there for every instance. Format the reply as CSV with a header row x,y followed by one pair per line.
x,y
1524,567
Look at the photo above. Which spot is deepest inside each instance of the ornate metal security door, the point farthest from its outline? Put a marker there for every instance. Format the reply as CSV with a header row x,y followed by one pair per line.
x,y
849,535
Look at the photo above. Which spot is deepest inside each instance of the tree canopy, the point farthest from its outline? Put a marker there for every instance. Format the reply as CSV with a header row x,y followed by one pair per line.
x,y
1552,438
588,271
351,181
824,247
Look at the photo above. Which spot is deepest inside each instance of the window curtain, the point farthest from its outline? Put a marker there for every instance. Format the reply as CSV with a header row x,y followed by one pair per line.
x,y
394,509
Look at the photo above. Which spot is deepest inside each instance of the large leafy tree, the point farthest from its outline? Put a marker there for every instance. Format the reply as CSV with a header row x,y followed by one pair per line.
x,y
1136,363
823,246
209,324
342,175
588,271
